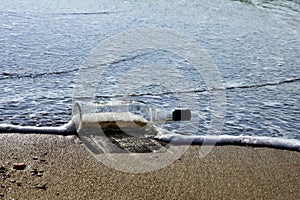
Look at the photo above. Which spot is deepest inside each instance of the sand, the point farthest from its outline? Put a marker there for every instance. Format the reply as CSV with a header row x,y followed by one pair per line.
x,y
59,167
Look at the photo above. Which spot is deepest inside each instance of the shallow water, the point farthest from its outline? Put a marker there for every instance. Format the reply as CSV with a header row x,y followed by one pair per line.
x,y
254,44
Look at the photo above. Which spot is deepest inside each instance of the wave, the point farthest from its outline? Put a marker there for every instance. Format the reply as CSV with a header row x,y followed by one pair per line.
x,y
8,75
88,13
260,2
288,10
175,139
220,140
205,90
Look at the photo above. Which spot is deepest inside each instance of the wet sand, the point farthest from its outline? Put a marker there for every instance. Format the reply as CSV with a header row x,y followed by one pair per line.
x,y
59,167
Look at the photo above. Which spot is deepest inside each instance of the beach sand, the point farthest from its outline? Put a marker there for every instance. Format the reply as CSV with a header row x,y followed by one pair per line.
x,y
59,167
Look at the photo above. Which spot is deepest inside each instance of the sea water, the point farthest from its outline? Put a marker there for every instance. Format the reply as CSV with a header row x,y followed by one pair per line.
x,y
255,46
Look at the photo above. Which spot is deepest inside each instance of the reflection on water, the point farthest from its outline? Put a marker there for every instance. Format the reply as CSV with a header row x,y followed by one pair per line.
x,y
253,43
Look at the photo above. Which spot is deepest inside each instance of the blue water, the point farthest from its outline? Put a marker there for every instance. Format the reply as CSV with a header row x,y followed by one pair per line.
x,y
254,44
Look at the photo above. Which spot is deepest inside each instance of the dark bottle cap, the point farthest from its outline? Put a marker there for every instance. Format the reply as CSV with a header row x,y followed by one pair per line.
x,y
181,115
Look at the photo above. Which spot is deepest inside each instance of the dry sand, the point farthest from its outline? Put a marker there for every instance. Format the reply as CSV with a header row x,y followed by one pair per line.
x,y
59,167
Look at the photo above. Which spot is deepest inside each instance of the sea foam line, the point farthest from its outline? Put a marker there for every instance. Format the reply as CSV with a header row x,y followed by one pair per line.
x,y
256,141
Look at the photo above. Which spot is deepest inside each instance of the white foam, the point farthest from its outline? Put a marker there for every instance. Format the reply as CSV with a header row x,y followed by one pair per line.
x,y
283,143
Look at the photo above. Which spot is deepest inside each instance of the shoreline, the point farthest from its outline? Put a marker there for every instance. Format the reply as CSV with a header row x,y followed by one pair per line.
x,y
60,167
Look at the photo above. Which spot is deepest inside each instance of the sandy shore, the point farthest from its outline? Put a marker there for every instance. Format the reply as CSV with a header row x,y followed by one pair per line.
x,y
59,167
